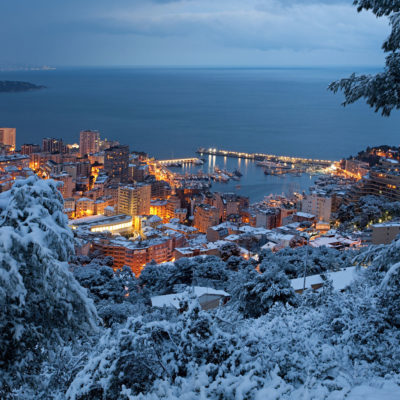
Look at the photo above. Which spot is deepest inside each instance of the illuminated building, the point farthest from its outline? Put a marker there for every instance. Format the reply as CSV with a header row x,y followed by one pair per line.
x,y
159,207
249,217
138,172
101,204
30,148
52,145
134,199
356,168
69,203
95,193
116,161
136,254
67,186
318,205
115,224
96,158
84,207
160,189
205,216
84,168
89,142
8,137
16,160
228,204
382,180
173,203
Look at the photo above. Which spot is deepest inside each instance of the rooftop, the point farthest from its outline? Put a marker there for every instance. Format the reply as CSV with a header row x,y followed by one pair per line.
x,y
98,220
340,279
173,300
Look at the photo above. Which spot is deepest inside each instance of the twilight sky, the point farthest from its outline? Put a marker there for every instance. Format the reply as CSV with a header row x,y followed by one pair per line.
x,y
189,32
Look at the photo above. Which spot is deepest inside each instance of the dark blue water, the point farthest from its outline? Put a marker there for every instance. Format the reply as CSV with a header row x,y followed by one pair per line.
x,y
171,112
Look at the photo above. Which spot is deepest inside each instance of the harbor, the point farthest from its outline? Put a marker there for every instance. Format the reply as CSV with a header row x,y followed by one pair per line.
x,y
216,170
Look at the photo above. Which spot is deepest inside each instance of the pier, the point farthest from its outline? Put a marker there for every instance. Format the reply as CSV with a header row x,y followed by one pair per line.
x,y
180,161
265,157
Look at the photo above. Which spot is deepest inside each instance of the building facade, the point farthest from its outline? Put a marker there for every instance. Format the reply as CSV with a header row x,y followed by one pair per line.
x,y
89,142
8,137
52,145
134,199
116,162
205,216
318,205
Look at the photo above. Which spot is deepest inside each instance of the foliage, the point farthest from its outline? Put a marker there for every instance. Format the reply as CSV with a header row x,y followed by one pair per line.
x,y
161,279
319,260
254,293
42,304
115,294
368,210
332,345
381,91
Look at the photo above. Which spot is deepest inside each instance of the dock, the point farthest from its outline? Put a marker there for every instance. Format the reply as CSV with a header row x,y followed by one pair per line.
x,y
265,157
179,161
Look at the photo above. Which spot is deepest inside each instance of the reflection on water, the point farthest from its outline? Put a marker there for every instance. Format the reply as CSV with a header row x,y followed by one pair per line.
x,y
254,183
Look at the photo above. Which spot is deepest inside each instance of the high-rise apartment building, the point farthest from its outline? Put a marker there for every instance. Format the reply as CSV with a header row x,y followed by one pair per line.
x,y
205,216
52,145
29,148
382,180
134,199
318,205
89,142
116,162
8,137
68,185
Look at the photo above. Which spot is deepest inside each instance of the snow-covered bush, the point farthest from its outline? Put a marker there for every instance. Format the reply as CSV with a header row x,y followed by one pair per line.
x,y
328,347
319,260
153,348
42,304
161,279
254,293
115,294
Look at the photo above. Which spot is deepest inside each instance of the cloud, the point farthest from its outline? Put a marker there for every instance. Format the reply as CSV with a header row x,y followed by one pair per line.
x,y
71,30
267,25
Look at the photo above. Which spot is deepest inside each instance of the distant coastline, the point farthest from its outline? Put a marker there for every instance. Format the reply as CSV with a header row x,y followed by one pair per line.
x,y
18,86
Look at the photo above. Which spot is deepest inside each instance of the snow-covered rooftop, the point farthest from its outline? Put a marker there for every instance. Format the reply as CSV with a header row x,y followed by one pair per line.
x,y
172,300
305,215
340,279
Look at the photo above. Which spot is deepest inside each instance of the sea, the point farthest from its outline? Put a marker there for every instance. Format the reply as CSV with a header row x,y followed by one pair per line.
x,y
170,112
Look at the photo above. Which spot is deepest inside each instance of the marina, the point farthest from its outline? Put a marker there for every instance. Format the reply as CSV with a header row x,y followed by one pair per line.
x,y
246,178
